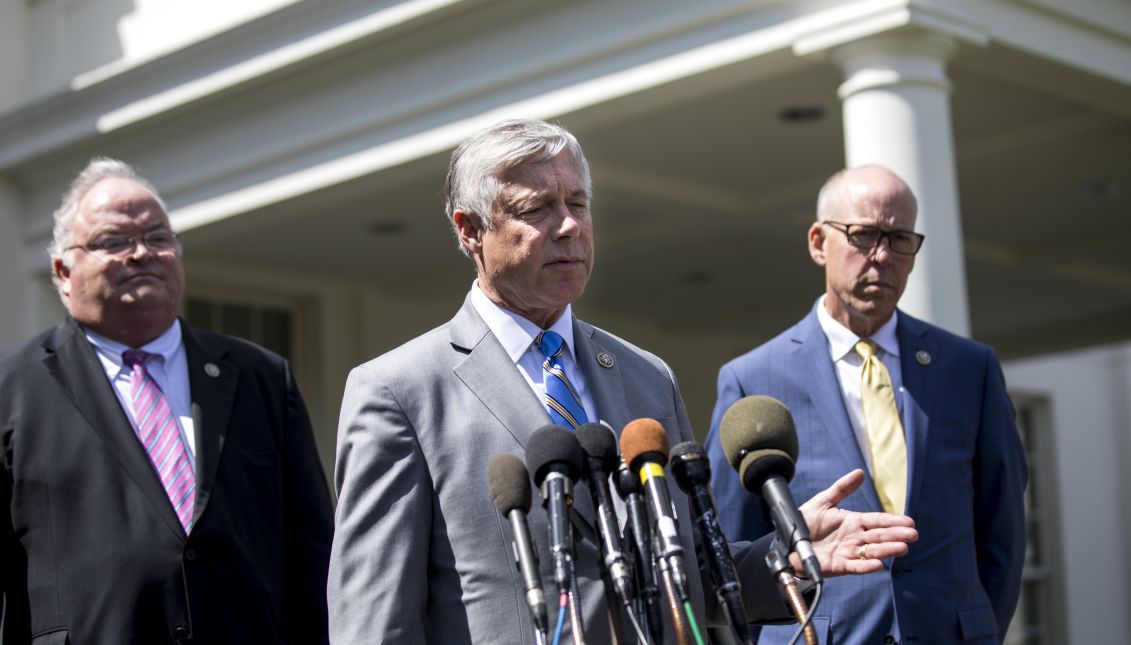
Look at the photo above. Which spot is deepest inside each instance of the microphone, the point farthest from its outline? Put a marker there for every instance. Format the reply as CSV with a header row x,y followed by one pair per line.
x,y
600,448
554,457
760,442
644,444
692,471
628,487
510,488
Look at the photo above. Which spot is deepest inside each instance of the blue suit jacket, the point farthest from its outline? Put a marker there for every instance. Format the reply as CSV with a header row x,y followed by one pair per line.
x,y
966,478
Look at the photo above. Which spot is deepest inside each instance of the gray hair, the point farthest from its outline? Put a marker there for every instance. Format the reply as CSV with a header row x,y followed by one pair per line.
x,y
831,197
473,182
96,170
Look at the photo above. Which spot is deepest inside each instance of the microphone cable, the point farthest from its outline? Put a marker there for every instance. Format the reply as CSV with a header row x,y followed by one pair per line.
x,y
691,621
561,618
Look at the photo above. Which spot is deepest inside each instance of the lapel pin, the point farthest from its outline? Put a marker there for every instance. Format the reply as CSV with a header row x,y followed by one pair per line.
x,y
212,370
923,356
605,360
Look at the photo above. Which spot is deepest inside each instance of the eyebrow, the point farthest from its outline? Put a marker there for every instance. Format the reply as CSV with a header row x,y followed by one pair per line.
x,y
114,230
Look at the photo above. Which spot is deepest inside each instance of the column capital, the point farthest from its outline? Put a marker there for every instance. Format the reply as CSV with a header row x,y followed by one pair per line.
x,y
902,57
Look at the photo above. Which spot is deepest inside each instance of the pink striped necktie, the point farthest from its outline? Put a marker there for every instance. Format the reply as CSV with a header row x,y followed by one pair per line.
x,y
161,437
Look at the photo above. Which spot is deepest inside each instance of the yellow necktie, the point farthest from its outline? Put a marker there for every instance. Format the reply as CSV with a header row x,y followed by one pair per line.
x,y
885,432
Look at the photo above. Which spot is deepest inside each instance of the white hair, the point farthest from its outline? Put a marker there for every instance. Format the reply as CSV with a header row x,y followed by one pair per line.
x,y
473,181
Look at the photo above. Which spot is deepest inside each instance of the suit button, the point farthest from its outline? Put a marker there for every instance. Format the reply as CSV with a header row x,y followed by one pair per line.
x,y
181,634
889,640
896,572
190,555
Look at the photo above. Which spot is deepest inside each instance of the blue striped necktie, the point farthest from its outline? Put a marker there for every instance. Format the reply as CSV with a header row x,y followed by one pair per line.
x,y
562,401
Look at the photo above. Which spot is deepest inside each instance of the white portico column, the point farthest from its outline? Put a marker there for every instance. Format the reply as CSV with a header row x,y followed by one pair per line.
x,y
896,114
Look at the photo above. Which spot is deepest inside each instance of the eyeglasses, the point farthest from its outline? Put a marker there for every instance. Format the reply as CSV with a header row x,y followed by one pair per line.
x,y
157,241
866,237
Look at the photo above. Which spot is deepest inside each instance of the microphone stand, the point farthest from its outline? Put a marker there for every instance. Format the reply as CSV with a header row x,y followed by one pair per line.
x,y
577,626
675,606
778,562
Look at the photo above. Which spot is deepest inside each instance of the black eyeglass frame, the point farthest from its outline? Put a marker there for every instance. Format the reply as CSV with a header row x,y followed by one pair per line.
x,y
915,238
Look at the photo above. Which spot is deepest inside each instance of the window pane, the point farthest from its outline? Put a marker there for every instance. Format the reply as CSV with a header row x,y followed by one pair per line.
x,y
236,320
275,328
198,313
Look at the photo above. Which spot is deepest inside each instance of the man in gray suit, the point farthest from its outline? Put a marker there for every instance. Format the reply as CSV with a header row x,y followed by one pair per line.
x,y
420,553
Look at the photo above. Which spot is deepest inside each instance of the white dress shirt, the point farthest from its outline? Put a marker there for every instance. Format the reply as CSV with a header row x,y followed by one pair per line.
x,y
842,343
517,334
168,366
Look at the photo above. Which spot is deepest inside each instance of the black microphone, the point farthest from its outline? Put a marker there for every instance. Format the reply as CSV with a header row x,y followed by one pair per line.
x,y
554,457
600,448
510,488
692,471
644,444
760,442
628,487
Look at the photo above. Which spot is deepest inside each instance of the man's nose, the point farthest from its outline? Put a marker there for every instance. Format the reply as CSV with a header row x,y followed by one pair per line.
x,y
569,223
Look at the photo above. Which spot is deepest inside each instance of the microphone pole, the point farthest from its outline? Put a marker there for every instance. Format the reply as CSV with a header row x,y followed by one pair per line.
x,y
600,448
510,488
777,559
628,487
644,444
555,458
760,442
692,471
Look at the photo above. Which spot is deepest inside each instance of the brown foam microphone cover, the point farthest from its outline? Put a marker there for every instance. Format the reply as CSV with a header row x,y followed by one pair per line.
x,y
641,437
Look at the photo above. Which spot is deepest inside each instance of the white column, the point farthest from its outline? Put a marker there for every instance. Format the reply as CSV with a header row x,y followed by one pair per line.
x,y
897,114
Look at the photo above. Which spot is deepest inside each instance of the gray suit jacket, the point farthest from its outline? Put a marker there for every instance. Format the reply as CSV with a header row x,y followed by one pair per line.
x,y
420,553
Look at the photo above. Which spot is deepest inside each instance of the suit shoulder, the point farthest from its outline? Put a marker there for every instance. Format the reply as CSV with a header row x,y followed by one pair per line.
x,y
240,351
954,343
414,357
622,348
15,355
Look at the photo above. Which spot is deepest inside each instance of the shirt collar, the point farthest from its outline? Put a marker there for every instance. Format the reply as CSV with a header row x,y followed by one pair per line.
x,y
842,340
515,333
164,345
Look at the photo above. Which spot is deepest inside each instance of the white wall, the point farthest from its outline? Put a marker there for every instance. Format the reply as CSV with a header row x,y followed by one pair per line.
x,y
13,277
1090,396
13,52
54,43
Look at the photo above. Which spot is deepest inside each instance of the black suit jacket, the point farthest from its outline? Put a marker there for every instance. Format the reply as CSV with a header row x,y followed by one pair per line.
x,y
90,548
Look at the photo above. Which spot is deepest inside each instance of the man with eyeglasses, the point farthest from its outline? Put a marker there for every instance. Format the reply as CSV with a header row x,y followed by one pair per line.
x,y
160,483
924,412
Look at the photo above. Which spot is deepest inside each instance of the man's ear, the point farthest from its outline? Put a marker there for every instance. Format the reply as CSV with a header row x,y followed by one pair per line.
x,y
63,275
817,242
468,230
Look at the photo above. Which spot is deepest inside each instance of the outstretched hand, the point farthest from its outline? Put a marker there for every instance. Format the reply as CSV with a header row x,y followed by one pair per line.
x,y
838,534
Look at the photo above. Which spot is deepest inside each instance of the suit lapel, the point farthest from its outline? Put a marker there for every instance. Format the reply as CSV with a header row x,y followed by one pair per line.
x,y
813,354
918,400
493,378
71,361
212,386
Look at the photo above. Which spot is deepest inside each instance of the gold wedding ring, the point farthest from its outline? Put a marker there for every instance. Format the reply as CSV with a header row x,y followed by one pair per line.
x,y
863,552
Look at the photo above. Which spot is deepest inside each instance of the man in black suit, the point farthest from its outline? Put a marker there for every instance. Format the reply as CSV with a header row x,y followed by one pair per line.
x,y
170,495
